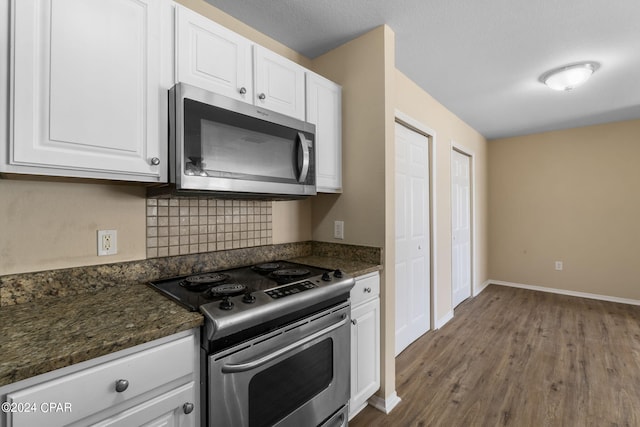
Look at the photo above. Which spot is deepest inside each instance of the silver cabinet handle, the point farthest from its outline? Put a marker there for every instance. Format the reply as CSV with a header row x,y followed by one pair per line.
x,y
188,408
367,290
122,385
155,161
262,96
354,321
242,90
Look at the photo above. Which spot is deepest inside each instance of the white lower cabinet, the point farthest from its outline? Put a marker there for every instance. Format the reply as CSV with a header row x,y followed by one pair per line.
x,y
173,408
155,384
365,341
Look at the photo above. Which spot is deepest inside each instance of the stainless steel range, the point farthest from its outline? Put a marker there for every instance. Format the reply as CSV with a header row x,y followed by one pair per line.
x,y
275,344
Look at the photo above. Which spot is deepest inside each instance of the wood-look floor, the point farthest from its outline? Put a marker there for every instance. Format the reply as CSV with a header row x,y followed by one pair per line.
x,y
513,357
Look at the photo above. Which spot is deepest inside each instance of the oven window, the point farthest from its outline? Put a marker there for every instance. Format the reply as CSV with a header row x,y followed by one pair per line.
x,y
279,390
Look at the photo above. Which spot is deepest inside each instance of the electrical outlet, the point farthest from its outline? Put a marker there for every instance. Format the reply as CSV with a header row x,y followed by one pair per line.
x,y
338,229
559,265
107,242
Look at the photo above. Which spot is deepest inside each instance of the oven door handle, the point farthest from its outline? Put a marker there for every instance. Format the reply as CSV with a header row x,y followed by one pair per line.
x,y
247,366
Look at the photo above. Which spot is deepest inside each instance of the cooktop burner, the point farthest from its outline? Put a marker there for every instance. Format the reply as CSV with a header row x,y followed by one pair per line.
x,y
266,267
287,274
207,278
227,290
202,282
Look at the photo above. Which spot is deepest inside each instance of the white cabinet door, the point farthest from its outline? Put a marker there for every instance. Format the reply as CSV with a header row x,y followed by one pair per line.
x,y
212,57
324,109
87,96
279,83
167,410
365,354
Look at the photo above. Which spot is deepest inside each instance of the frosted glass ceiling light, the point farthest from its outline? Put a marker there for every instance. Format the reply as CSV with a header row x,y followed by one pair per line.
x,y
570,76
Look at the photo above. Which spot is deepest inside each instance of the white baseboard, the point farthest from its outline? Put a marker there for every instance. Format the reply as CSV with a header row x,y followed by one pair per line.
x,y
566,292
385,405
482,287
444,319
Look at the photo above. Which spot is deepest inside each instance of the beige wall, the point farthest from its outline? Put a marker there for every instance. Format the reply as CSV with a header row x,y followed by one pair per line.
x,y
568,196
365,68
48,225
359,66
448,128
372,91
291,221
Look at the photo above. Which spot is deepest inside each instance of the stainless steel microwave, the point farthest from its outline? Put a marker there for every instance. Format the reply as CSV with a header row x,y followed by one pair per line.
x,y
222,146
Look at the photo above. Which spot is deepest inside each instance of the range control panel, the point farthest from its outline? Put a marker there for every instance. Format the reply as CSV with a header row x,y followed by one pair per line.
x,y
292,289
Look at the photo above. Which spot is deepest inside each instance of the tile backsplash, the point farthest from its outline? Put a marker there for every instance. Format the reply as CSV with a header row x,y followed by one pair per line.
x,y
180,226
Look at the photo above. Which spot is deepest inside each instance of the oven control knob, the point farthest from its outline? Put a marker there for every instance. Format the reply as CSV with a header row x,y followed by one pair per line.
x,y
248,298
326,277
226,304
337,273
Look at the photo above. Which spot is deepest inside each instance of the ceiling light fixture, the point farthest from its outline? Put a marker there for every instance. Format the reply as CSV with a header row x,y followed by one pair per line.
x,y
569,76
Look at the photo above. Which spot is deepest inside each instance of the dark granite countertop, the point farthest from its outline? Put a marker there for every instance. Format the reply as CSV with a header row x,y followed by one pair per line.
x,y
50,320
351,267
52,333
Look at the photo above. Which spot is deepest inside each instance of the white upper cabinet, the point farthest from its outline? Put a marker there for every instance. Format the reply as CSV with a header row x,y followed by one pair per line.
x,y
212,57
89,89
324,109
215,58
279,83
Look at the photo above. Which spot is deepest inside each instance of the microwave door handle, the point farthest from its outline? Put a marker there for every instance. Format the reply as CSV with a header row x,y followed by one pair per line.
x,y
247,366
304,146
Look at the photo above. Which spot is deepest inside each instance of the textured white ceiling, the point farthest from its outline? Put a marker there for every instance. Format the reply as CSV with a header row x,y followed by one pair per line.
x,y
482,59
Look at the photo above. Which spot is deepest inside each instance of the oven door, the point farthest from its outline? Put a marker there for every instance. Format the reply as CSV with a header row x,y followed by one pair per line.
x,y
295,376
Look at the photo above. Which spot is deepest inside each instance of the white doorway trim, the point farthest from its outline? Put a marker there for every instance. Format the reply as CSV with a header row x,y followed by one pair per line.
x,y
419,127
475,289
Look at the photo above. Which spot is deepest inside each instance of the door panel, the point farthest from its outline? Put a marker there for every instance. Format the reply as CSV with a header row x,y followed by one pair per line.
x,y
413,283
461,227
87,88
279,83
212,57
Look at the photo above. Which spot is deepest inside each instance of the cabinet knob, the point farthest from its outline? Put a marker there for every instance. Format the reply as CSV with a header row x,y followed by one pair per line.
x,y
188,408
262,96
354,321
122,385
367,290
155,161
242,90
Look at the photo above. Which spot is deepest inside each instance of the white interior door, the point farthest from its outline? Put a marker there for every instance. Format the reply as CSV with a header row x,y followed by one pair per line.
x,y
461,226
413,281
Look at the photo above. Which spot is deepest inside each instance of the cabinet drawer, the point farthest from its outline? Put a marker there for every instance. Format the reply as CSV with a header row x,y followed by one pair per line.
x,y
165,410
70,398
366,288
